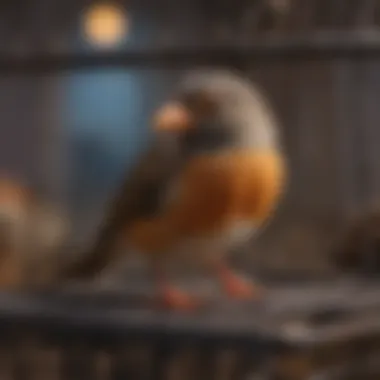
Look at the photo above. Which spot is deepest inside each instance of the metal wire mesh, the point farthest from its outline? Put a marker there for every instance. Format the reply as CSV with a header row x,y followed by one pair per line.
x,y
332,333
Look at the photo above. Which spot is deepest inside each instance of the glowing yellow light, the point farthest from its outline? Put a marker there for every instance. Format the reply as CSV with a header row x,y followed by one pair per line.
x,y
105,24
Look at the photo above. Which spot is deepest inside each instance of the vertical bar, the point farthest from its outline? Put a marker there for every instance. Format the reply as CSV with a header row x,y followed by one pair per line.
x,y
64,19
103,365
17,35
254,361
181,365
358,362
250,20
207,361
305,138
339,13
5,360
293,365
345,135
316,145
225,359
365,16
370,90
244,365
77,362
306,19
371,363
46,362
131,361
164,24
358,94
121,364
161,356
52,170
21,351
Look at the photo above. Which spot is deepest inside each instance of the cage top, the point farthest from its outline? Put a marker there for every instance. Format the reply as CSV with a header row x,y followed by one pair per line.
x,y
51,27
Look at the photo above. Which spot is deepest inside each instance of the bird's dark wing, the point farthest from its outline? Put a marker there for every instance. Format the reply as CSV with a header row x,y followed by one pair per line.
x,y
139,196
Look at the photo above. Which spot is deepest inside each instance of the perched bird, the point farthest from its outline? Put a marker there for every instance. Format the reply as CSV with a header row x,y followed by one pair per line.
x,y
31,233
210,180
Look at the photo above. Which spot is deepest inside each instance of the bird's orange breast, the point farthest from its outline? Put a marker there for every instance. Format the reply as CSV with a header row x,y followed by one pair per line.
x,y
216,190
213,192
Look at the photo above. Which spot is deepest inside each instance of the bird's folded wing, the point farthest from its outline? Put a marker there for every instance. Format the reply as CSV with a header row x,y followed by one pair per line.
x,y
139,196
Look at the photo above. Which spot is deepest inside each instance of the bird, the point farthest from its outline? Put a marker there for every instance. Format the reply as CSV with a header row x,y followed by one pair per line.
x,y
31,235
210,180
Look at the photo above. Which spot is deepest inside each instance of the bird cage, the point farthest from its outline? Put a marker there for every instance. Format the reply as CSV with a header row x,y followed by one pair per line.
x,y
317,61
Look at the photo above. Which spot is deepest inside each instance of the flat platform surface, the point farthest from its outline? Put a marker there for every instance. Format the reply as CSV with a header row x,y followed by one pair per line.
x,y
292,314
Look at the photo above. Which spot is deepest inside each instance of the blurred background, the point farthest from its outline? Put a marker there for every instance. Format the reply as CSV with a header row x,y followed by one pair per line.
x,y
79,81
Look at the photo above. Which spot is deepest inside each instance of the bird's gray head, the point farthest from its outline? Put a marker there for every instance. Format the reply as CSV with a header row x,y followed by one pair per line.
x,y
214,110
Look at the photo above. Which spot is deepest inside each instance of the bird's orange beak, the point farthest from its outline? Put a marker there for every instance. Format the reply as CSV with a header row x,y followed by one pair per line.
x,y
172,117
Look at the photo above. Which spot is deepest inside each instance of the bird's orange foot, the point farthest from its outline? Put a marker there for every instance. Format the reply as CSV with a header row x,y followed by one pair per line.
x,y
177,300
237,287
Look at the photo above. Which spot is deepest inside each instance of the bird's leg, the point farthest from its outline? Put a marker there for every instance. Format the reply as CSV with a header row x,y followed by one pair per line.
x,y
170,296
234,285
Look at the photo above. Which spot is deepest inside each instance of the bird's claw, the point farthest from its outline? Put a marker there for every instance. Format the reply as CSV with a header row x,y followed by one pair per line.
x,y
239,288
236,286
177,300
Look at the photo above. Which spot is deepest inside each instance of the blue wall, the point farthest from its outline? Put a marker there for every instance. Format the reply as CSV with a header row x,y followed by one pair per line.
x,y
106,114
